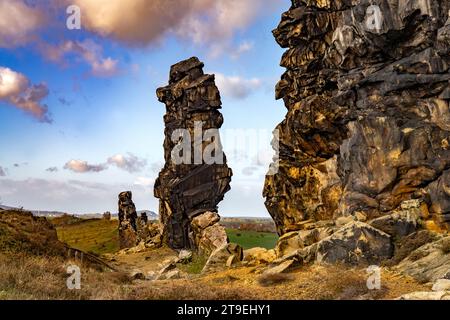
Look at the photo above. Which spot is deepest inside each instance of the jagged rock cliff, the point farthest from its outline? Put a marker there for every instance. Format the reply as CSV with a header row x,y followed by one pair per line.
x,y
195,176
368,122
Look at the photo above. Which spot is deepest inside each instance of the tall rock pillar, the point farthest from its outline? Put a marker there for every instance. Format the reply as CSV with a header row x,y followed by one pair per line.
x,y
195,176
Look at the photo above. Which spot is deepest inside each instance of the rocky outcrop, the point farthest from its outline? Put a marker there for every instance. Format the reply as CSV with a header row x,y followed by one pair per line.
x,y
195,176
367,127
127,221
136,232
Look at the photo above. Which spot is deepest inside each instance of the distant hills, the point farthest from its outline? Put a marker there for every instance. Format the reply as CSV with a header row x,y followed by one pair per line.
x,y
43,213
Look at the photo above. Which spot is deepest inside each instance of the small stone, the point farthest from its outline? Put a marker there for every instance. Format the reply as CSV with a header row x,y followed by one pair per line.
x,y
137,275
342,221
360,216
185,256
281,268
441,285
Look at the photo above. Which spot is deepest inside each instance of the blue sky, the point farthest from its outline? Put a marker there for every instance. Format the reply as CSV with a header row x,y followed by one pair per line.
x,y
80,118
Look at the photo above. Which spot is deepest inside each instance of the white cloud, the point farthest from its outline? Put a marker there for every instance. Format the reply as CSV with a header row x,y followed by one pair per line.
x,y
18,23
129,162
141,22
244,47
237,87
15,89
145,182
90,52
80,166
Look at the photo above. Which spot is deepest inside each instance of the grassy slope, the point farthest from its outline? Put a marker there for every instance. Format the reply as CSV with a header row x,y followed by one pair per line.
x,y
251,239
94,236
100,236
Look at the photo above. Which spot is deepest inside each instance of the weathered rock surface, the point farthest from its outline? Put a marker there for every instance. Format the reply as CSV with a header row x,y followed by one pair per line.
x,y
223,257
400,222
441,285
259,255
207,234
428,263
355,243
196,184
425,295
367,95
292,241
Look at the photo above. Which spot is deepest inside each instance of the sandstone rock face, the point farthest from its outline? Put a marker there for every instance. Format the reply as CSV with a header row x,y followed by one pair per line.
x,y
207,234
194,179
367,95
127,221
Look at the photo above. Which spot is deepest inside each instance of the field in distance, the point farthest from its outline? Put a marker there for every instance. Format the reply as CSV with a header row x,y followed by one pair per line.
x,y
99,236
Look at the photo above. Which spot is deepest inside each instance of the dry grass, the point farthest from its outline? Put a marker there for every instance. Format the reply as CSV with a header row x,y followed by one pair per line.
x,y
34,277
271,279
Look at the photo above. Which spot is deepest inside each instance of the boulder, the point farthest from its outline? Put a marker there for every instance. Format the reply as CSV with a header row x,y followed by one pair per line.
x,y
425,295
355,243
428,263
207,234
400,223
137,275
184,256
280,268
223,258
259,255
292,241
441,285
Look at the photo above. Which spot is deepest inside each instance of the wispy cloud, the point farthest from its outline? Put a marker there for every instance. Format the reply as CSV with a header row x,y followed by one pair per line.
x,y
87,50
237,87
128,162
16,90
80,166
244,47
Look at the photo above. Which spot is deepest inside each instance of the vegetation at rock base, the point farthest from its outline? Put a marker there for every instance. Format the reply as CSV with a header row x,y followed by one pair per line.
x,y
252,239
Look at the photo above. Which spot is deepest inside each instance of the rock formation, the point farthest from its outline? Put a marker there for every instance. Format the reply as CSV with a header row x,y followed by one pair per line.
x,y
136,232
127,221
195,176
367,127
